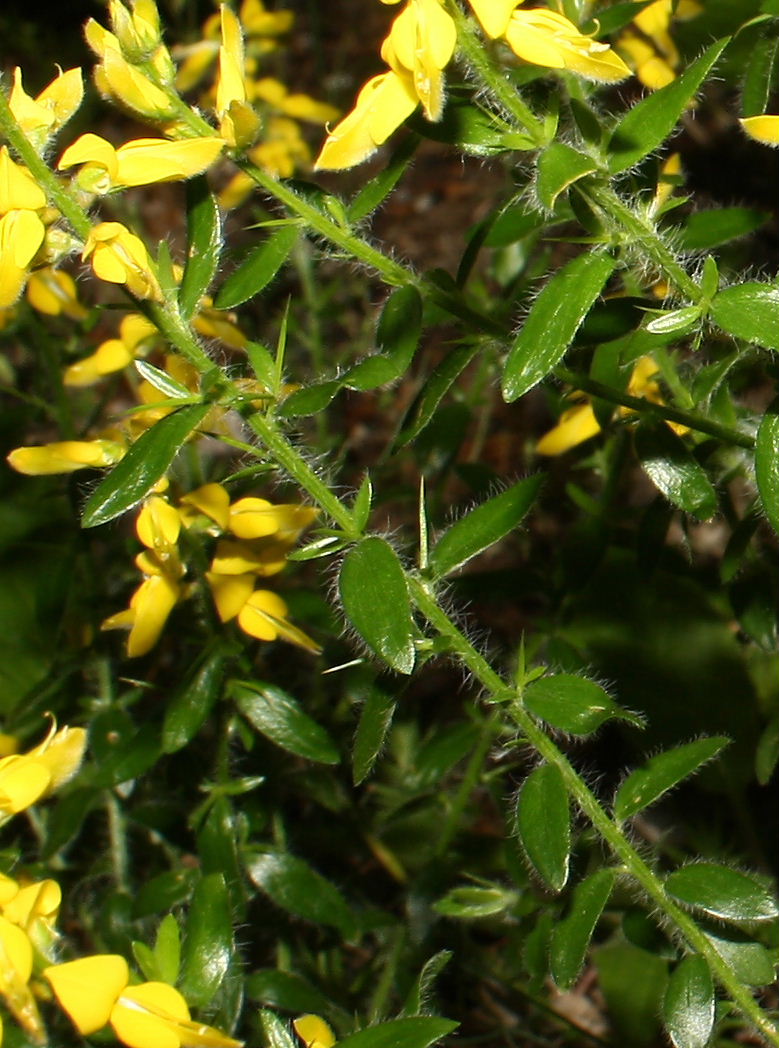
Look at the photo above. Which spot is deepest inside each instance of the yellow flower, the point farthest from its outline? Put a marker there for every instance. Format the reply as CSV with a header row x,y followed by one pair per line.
x,y
239,124
138,163
138,32
549,39
95,991
34,908
300,106
21,234
18,189
29,777
314,1032
16,957
135,334
421,43
40,118
382,106
763,129
120,81
53,292
210,500
65,456
259,22
647,44
670,176
120,257
494,15
264,616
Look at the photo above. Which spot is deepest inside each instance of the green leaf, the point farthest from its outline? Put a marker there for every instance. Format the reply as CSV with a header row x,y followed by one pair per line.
x,y
722,892
573,703
146,461
749,311
767,463
559,166
163,892
423,987
417,1031
543,822
553,321
296,888
471,902
375,720
471,129
632,982
435,389
767,755
647,125
278,717
263,364
145,960
363,501
688,1005
483,526
286,990
162,381
377,189
276,1033
203,245
258,269
572,935
208,943
191,704
662,772
675,321
673,470
310,400
397,338
167,950
704,230
376,602
751,961
760,71
614,18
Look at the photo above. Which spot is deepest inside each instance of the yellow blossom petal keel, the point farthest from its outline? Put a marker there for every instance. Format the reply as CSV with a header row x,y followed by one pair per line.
x,y
88,989
314,1032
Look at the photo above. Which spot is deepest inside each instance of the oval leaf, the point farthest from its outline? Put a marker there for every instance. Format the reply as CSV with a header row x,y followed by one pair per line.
x,y
310,400
751,961
375,720
660,774
203,245
650,122
704,230
397,338
190,706
544,824
722,892
553,321
749,311
416,1031
673,470
278,717
208,944
296,888
767,464
559,166
484,526
257,271
572,935
573,704
435,389
143,465
376,602
688,1006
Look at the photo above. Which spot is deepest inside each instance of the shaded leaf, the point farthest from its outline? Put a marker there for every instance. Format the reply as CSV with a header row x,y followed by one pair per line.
x,y
146,461
749,311
309,400
559,166
375,720
277,716
411,1032
286,990
296,888
767,463
650,121
208,943
543,823
688,1005
483,526
661,773
203,245
377,189
435,389
553,321
572,935
257,271
722,892
376,602
191,704
471,902
573,703
673,470
704,230
750,960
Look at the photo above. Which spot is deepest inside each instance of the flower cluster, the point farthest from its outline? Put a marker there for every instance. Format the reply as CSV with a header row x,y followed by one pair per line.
x,y
253,538
647,45
422,42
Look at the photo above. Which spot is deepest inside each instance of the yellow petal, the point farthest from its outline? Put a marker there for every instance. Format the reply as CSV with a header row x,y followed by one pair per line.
x,y
494,15
35,901
230,84
252,518
53,292
152,603
61,754
230,593
158,524
549,39
576,425
88,989
65,456
18,189
146,1015
763,129
15,955
314,1032
132,88
109,357
264,616
149,160
212,500
22,783
239,558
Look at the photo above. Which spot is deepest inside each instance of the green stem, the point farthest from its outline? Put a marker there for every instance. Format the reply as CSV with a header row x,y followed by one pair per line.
x,y
686,418
493,74
592,809
118,847
469,783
